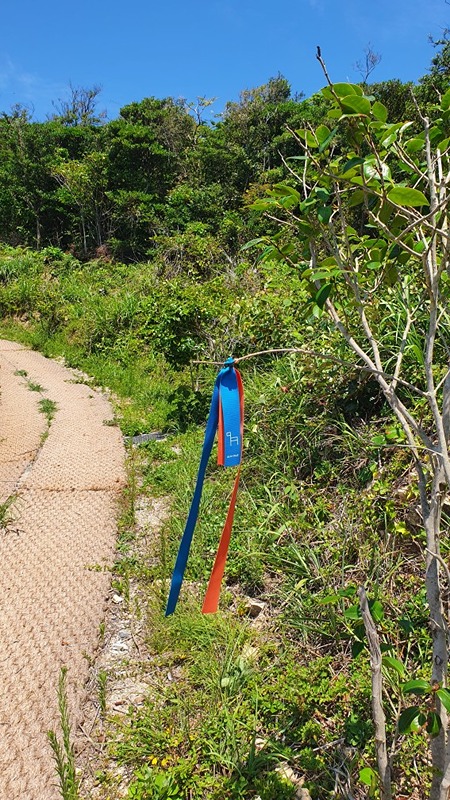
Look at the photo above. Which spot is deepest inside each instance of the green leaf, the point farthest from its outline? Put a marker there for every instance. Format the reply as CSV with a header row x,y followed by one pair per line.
x,y
353,612
445,102
328,140
345,89
254,243
418,352
406,197
376,609
322,194
379,440
264,203
323,295
393,663
283,190
372,170
356,198
349,591
324,275
414,145
329,599
444,697
406,718
417,686
418,723
353,162
368,777
356,105
322,133
324,213
305,134
434,723
380,111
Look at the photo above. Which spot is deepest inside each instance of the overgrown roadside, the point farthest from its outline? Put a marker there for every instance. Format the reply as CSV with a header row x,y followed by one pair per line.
x,y
326,501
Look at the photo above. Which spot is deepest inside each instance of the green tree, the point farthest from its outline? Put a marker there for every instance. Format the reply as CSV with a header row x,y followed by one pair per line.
x,y
84,182
364,217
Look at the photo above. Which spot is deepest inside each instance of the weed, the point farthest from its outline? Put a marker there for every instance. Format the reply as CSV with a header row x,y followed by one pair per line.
x,y
63,753
21,373
102,679
48,408
35,387
5,511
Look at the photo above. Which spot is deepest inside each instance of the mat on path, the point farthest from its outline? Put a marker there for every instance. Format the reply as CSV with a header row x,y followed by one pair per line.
x,y
56,550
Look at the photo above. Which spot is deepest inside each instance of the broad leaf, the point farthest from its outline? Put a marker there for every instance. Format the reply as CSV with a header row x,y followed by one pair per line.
x,y
353,612
323,295
407,717
414,145
349,591
328,140
445,102
355,104
322,133
406,197
356,198
380,111
444,697
329,599
368,777
393,663
376,610
281,189
352,163
309,138
434,723
357,648
345,89
254,243
324,213
416,686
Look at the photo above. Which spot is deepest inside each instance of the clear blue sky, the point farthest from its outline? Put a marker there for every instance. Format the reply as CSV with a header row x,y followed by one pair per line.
x,y
213,48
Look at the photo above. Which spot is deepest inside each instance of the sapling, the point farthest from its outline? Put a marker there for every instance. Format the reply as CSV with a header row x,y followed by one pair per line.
x,y
364,216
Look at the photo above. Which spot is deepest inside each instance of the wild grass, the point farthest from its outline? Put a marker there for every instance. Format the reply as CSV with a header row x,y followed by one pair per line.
x,y
5,511
63,752
325,503
48,408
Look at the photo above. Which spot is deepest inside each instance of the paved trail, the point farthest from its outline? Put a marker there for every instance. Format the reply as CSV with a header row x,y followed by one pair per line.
x,y
54,555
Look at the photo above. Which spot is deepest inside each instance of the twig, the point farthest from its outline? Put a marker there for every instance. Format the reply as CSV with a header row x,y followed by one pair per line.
x,y
325,357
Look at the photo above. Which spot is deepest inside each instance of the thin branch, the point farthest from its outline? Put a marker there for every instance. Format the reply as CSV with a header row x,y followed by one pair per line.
x,y
325,356
378,714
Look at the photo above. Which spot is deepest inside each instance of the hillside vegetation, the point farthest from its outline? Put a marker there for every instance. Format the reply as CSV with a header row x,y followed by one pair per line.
x,y
122,250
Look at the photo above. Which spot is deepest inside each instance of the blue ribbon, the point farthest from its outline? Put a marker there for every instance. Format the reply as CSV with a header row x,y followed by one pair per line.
x,y
225,392
229,401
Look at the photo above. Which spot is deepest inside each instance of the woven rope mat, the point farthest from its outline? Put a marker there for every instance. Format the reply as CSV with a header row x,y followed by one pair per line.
x,y
55,554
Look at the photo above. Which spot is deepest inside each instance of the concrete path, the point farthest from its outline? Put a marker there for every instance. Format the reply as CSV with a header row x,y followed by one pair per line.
x,y
56,549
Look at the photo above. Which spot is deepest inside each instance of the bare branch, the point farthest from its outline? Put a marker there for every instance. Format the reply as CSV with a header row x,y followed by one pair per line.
x,y
378,715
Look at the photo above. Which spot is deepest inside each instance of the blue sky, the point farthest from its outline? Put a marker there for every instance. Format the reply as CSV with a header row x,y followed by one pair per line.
x,y
212,48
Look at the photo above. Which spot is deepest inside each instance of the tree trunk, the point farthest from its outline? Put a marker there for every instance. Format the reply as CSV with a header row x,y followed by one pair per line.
x,y
432,511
